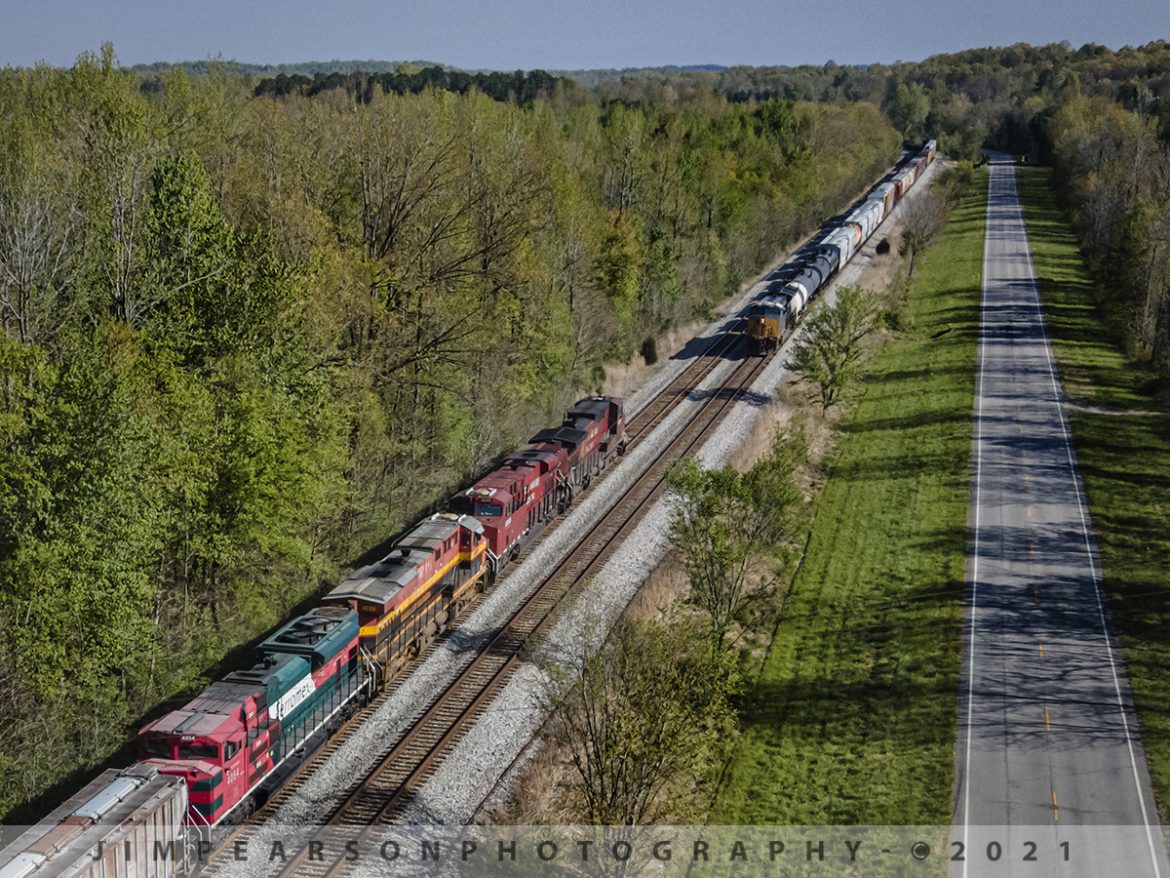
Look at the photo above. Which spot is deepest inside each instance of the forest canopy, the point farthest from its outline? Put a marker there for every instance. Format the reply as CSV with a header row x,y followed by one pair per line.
x,y
249,327
243,340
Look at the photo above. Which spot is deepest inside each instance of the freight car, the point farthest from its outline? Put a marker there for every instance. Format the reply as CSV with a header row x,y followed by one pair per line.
x,y
231,738
125,822
775,314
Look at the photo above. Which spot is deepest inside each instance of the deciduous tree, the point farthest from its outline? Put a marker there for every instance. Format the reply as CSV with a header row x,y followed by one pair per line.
x,y
830,347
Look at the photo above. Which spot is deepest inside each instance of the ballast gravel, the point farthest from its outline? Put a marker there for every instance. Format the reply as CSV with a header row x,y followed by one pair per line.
x,y
484,765
489,758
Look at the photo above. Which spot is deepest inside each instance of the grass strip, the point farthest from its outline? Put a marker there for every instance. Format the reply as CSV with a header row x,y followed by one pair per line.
x,y
1121,434
852,718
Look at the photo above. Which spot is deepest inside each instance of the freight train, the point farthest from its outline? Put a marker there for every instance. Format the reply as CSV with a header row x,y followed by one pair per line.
x,y
216,758
219,756
780,307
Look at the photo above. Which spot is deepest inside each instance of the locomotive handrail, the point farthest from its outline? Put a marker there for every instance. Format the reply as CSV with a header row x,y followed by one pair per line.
x,y
374,682
192,809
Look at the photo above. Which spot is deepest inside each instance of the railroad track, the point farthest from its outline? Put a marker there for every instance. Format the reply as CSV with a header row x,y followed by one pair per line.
x,y
655,411
384,794
659,408
639,427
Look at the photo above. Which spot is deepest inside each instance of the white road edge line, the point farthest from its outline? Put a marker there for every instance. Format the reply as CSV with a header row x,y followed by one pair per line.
x,y
978,493
1057,401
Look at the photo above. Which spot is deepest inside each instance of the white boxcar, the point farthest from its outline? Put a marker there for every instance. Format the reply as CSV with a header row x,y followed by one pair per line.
x,y
885,193
843,239
867,217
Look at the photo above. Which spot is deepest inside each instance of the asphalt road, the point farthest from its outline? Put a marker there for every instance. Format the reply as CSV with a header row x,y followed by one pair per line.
x,y
1048,751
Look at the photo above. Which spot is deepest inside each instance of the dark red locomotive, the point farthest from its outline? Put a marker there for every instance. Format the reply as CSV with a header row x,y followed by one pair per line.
x,y
533,484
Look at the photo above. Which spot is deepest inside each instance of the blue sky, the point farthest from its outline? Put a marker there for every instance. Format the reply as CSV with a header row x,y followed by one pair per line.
x,y
564,34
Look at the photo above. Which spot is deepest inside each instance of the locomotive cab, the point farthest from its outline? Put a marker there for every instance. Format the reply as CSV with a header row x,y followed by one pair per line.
x,y
208,751
488,505
767,324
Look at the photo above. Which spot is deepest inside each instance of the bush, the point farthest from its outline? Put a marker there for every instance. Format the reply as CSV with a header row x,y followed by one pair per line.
x,y
955,180
598,378
649,350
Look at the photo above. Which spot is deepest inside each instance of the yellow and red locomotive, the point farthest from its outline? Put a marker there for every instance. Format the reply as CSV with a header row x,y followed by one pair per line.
x,y
407,597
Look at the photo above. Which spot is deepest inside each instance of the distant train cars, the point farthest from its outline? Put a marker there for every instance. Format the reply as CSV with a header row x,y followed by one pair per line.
x,y
779,308
125,822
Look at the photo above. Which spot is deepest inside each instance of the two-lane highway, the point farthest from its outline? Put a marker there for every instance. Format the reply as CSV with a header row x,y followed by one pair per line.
x,y
1048,752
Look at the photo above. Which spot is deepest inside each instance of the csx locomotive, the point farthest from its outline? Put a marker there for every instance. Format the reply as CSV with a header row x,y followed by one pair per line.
x,y
781,305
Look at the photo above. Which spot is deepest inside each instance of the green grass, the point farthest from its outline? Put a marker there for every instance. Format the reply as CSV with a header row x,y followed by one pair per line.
x,y
853,717
1124,458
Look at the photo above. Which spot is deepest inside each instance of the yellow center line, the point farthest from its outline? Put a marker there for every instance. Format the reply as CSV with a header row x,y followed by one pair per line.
x,y
1047,720
1042,653
1029,512
1055,808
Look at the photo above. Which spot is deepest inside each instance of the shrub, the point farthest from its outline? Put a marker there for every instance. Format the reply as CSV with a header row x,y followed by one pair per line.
x,y
649,350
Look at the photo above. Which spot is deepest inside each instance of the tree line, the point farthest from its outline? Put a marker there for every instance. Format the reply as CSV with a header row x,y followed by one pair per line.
x,y
521,87
991,97
244,340
1100,117
1113,171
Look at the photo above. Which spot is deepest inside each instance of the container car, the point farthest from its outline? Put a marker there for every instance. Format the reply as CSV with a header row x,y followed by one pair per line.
x,y
886,194
844,241
125,823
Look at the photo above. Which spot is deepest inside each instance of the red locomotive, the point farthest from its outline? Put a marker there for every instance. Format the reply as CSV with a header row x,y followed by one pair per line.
x,y
533,484
236,732
228,742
